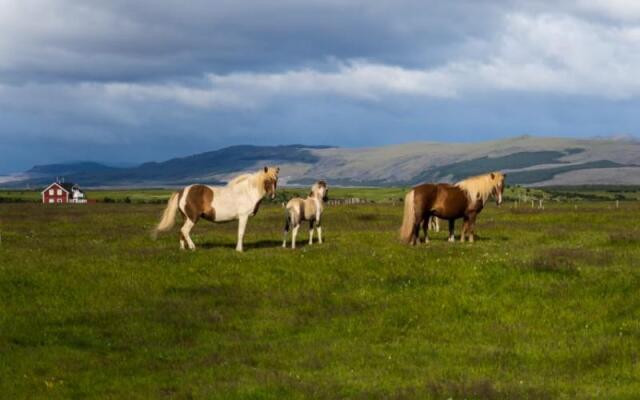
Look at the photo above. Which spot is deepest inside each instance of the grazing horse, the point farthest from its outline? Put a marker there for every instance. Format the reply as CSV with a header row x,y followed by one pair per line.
x,y
239,199
464,200
309,209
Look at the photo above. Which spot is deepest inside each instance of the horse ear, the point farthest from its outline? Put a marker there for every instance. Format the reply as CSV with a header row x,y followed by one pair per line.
x,y
493,176
266,168
277,170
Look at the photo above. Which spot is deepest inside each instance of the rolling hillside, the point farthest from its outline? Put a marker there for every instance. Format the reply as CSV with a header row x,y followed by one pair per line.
x,y
528,160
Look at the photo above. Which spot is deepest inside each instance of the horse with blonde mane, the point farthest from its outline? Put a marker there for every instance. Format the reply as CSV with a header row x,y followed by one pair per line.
x,y
239,199
465,200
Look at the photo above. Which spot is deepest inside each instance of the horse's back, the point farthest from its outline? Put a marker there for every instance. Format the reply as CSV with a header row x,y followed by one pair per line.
x,y
304,208
196,201
451,202
424,196
440,199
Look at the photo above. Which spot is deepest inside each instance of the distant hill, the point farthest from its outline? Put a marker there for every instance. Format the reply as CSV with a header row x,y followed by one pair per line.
x,y
527,160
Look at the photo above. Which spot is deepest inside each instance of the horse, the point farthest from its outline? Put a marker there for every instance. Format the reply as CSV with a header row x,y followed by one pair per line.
x,y
465,199
309,209
239,199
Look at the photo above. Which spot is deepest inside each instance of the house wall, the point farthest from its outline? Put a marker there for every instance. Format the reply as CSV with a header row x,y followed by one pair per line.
x,y
55,194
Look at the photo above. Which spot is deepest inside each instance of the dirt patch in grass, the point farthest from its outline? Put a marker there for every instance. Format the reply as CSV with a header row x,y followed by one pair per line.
x,y
484,389
526,210
567,260
367,217
625,237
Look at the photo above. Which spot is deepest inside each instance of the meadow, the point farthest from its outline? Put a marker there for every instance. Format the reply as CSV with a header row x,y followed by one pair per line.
x,y
544,305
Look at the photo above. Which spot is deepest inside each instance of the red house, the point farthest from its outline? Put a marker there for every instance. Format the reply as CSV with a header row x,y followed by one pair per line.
x,y
62,193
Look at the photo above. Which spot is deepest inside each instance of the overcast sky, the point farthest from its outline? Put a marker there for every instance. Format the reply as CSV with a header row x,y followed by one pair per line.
x,y
124,81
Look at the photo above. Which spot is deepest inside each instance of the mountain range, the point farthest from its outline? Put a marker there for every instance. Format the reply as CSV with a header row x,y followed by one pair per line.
x,y
534,161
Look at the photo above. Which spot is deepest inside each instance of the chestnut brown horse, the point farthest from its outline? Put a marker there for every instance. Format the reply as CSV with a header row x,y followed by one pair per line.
x,y
463,200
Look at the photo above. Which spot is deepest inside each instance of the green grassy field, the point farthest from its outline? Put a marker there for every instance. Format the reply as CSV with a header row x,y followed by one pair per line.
x,y
544,305
161,195
379,195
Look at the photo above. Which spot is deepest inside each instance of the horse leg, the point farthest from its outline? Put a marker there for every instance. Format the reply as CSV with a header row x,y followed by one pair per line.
x,y
294,233
311,232
425,229
242,225
465,229
472,227
182,241
319,229
185,230
415,236
452,223
287,225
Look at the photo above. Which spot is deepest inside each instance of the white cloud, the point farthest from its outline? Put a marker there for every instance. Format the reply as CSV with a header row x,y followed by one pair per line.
x,y
550,53
553,54
624,10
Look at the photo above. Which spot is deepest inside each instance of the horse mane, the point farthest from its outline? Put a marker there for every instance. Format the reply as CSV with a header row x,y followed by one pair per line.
x,y
479,187
315,187
239,179
271,174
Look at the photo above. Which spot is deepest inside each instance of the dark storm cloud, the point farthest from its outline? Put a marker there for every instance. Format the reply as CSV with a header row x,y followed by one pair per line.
x,y
151,40
133,81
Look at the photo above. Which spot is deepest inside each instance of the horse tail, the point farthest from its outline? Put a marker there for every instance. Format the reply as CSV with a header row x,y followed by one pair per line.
x,y
168,216
409,218
287,221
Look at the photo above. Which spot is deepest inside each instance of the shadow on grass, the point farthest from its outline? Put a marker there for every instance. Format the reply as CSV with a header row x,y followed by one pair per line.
x,y
260,244
484,389
567,261
487,238
625,237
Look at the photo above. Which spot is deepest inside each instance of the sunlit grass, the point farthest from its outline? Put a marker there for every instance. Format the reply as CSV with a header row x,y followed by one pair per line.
x,y
544,305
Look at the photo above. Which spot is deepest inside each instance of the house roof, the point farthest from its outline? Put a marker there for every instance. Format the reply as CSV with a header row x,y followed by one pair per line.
x,y
66,186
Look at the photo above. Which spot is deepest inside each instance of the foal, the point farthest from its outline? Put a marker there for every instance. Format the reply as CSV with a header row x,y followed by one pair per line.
x,y
309,209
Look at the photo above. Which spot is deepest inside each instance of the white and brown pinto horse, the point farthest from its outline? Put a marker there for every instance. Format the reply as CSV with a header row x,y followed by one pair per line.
x,y
239,199
309,209
464,200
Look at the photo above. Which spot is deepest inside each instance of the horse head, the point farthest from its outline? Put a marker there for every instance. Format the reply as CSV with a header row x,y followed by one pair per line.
x,y
320,190
270,179
498,186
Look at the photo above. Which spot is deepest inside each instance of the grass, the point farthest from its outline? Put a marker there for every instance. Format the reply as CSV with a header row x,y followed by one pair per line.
x,y
544,305
372,194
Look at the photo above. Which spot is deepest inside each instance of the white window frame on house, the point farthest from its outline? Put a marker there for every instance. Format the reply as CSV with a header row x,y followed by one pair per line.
x,y
59,200
59,192
50,200
50,192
